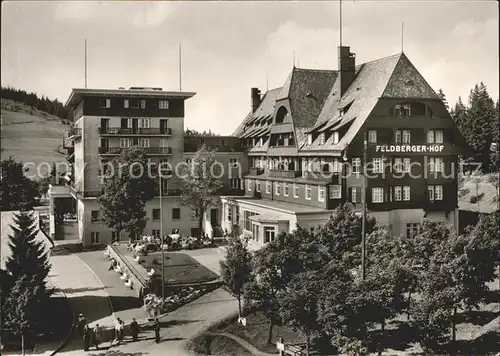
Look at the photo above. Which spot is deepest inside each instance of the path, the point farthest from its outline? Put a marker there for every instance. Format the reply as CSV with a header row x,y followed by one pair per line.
x,y
252,349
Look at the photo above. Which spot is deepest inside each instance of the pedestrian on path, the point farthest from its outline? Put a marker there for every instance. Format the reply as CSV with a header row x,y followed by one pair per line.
x,y
157,330
86,338
119,330
81,324
134,327
96,336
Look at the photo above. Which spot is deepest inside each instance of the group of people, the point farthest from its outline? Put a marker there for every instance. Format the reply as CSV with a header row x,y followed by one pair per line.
x,y
93,336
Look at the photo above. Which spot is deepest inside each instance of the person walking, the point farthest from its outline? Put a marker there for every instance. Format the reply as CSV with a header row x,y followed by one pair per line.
x,y
96,336
81,324
134,327
119,330
86,338
157,330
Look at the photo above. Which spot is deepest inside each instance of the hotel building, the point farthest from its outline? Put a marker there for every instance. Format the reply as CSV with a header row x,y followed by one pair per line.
x,y
105,122
374,132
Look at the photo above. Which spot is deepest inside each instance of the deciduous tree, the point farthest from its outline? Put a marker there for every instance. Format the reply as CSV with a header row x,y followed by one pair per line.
x,y
201,184
236,268
126,192
17,192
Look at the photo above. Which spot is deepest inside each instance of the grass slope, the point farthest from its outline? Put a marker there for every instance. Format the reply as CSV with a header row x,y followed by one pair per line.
x,y
31,135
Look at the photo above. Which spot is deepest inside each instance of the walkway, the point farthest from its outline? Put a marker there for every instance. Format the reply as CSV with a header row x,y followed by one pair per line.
x,y
252,349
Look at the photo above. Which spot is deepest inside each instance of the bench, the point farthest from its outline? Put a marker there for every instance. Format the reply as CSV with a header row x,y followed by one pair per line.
x,y
294,350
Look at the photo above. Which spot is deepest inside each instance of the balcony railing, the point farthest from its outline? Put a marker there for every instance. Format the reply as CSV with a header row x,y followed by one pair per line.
x,y
74,132
147,150
134,131
255,171
284,174
86,193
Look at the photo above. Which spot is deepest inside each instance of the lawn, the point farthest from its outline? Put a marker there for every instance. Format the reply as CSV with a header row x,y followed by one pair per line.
x,y
217,345
30,135
179,267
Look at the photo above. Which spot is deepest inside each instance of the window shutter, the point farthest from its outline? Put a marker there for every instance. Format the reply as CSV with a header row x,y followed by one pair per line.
x,y
349,192
108,103
358,195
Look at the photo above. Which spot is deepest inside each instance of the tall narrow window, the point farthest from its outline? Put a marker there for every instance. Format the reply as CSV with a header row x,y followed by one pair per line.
x,y
378,165
430,136
335,137
308,192
372,136
406,193
321,194
406,136
125,103
277,187
398,136
356,165
377,195
322,138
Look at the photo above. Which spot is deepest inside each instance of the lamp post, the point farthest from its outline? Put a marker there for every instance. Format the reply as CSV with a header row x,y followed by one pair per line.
x,y
160,180
363,222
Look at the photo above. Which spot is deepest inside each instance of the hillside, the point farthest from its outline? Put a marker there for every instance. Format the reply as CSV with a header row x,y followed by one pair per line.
x,y
31,135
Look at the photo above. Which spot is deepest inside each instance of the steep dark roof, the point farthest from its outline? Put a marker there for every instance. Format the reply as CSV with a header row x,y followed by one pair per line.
x,y
265,109
308,91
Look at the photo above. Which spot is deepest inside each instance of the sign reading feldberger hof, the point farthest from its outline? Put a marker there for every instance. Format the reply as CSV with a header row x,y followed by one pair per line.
x,y
410,148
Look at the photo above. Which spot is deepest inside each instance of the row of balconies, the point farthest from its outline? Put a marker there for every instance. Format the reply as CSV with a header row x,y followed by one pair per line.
x,y
121,131
147,150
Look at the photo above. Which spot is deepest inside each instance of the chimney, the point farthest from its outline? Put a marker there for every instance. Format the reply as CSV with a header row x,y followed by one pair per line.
x,y
347,68
255,99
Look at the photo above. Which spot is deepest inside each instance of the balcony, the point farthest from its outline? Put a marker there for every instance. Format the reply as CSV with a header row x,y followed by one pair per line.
x,y
74,132
284,174
119,131
86,193
147,150
255,171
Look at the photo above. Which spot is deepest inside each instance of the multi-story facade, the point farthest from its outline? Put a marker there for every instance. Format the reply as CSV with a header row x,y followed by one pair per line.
x,y
375,133
108,121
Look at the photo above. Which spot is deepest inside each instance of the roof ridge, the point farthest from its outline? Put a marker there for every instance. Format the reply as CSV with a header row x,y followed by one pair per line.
x,y
381,58
318,70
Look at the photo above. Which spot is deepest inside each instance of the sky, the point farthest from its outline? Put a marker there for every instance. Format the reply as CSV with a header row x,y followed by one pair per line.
x,y
230,47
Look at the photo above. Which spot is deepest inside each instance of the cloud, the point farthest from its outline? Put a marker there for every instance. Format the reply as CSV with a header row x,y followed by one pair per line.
x,y
150,14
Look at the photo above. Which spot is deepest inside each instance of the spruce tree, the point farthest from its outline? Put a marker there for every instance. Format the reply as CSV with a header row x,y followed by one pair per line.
x,y
443,99
29,257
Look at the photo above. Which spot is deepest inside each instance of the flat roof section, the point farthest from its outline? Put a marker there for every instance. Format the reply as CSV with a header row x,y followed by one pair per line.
x,y
282,206
78,93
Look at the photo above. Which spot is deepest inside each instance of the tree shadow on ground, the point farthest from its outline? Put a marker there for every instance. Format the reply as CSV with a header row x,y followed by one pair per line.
x,y
398,337
169,323
487,344
477,317
116,353
78,290
125,302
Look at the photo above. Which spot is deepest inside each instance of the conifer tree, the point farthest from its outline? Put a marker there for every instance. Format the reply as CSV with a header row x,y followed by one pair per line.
x,y
443,99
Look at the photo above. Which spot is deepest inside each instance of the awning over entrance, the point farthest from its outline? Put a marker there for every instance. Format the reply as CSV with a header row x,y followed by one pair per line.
x,y
269,218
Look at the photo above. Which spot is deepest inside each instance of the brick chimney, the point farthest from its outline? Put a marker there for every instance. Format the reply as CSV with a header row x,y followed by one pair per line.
x,y
255,98
347,68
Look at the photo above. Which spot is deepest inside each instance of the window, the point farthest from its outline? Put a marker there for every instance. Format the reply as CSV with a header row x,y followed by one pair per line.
x,y
105,103
269,234
439,136
406,165
163,104
249,185
285,189
309,139
234,183
144,123
322,138
412,229
435,136
176,214
242,184
430,136
335,137
308,192
398,136
257,186
125,103
155,233
95,215
229,213
268,187
354,194
337,166
156,214
115,236
377,195
378,165
406,193
144,142
143,104
436,164
124,142
372,136
295,190
335,192
134,103
398,193
321,194
247,222
398,165
356,165
277,188
403,110
94,238
406,136
435,192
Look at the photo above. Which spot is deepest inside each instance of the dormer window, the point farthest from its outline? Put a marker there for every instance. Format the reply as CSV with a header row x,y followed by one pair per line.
x,y
402,110
282,115
322,138
335,137
309,139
